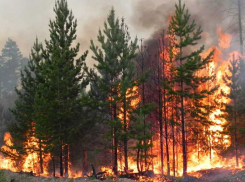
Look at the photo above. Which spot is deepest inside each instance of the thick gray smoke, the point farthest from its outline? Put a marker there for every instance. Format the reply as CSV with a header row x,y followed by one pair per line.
x,y
23,21
209,14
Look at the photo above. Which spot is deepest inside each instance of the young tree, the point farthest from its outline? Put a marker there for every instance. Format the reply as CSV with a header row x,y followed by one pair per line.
x,y
57,101
22,129
141,132
11,63
231,79
187,65
117,77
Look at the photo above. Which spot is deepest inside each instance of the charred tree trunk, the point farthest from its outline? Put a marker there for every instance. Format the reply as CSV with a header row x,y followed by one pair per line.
x,y
165,107
115,139
235,123
160,110
40,156
125,130
173,138
66,159
53,162
182,110
85,162
210,147
61,158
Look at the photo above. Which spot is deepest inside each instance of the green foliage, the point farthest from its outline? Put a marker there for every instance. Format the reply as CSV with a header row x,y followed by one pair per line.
x,y
113,85
23,111
140,131
186,67
57,102
11,61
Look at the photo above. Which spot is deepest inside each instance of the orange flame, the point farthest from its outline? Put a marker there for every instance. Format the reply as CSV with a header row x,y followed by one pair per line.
x,y
225,39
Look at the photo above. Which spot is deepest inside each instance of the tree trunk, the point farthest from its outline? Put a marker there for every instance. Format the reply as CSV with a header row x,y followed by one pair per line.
x,y
53,162
173,138
165,107
138,155
40,156
85,162
66,159
235,123
115,139
61,158
160,109
125,130
182,110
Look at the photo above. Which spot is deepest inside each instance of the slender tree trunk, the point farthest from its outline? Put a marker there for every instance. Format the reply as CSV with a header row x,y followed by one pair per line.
x,y
138,161
177,154
210,148
53,162
41,155
198,153
66,159
182,110
125,130
173,138
165,107
61,158
85,162
115,139
173,150
145,150
143,96
166,139
235,122
160,109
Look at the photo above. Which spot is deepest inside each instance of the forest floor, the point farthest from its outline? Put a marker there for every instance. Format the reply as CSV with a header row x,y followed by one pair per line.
x,y
210,175
217,175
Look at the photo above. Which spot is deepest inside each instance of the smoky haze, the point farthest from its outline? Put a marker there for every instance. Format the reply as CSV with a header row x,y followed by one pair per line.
x,y
209,14
24,20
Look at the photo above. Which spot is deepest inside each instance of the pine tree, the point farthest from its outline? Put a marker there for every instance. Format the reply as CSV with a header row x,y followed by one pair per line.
x,y
57,101
117,77
186,67
22,129
231,79
11,63
141,132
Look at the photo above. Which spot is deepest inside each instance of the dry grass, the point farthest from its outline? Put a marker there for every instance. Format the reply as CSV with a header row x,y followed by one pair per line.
x,y
16,177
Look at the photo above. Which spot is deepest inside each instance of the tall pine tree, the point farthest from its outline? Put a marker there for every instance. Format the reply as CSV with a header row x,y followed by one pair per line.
x,y
11,63
231,79
57,102
186,68
117,78
22,129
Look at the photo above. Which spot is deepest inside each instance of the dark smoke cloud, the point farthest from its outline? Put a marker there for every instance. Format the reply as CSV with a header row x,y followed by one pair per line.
x,y
24,20
209,14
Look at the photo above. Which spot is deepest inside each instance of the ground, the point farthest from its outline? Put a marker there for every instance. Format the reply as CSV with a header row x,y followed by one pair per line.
x,y
211,175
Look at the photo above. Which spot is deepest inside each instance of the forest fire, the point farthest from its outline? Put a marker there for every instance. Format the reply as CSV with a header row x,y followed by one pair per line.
x,y
198,158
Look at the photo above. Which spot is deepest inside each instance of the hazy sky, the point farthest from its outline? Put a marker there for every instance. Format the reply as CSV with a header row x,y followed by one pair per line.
x,y
23,20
